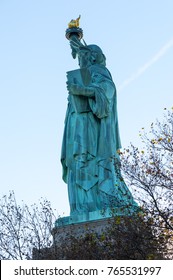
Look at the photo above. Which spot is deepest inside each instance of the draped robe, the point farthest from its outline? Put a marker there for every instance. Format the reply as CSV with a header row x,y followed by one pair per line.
x,y
89,150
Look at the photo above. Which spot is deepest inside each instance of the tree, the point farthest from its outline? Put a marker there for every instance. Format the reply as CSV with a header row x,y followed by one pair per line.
x,y
125,238
26,234
22,227
149,172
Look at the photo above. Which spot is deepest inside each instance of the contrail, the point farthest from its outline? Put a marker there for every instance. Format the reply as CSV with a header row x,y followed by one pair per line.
x,y
142,69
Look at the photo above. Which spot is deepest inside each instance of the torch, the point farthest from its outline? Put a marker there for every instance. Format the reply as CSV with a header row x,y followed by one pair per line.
x,y
74,34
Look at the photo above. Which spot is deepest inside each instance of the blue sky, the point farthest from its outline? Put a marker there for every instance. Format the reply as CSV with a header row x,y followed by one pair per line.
x,y
137,39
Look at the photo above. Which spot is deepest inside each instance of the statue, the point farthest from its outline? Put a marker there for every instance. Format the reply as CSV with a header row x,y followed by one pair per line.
x,y
91,141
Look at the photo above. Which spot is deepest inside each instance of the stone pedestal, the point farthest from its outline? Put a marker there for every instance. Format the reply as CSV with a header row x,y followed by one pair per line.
x,y
96,222
66,232
120,237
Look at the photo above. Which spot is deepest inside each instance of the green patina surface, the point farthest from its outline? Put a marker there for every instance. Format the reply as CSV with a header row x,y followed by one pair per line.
x,y
90,159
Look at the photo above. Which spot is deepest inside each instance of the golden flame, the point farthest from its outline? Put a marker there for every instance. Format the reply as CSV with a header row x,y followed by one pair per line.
x,y
74,22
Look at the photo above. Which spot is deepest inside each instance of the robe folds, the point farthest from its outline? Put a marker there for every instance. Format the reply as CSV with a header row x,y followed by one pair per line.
x,y
89,150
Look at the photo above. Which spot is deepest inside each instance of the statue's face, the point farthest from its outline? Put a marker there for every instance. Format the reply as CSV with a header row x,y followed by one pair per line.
x,y
84,58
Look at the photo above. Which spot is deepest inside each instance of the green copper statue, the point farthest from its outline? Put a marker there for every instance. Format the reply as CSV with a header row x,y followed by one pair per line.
x,y
91,138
